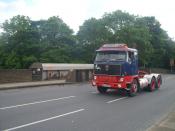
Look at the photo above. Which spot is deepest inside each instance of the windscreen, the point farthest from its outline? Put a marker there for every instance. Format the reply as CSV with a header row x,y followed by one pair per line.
x,y
111,56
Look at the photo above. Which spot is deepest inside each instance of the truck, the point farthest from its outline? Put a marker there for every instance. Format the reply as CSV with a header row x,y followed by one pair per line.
x,y
116,67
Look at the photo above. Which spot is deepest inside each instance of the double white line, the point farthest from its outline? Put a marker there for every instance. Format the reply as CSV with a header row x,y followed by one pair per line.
x,y
50,118
36,122
36,102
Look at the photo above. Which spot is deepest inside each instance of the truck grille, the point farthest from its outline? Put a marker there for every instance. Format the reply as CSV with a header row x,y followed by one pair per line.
x,y
108,69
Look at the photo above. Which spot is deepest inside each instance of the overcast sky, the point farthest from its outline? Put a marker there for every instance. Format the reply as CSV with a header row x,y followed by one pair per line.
x,y
74,12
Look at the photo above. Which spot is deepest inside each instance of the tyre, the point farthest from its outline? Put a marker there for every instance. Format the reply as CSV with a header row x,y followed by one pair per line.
x,y
102,90
133,88
152,85
158,82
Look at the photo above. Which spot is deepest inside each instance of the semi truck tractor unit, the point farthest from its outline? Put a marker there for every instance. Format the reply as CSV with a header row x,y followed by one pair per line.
x,y
116,67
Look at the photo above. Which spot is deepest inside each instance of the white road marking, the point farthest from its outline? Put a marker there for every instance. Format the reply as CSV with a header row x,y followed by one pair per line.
x,y
40,121
36,102
116,100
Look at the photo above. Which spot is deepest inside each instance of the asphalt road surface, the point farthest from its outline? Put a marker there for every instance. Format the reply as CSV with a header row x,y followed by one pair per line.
x,y
79,107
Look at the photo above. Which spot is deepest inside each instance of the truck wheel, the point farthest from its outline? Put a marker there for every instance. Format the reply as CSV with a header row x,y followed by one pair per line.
x,y
102,90
158,82
152,85
133,88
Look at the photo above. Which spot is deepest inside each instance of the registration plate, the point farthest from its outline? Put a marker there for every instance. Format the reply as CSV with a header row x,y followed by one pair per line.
x,y
106,85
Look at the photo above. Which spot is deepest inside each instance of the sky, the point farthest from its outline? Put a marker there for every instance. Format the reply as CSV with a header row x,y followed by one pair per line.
x,y
75,12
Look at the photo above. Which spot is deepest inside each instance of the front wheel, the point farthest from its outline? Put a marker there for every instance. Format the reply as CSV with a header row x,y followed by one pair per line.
x,y
133,88
102,90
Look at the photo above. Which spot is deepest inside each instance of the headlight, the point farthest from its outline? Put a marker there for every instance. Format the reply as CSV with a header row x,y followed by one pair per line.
x,y
95,77
121,79
119,86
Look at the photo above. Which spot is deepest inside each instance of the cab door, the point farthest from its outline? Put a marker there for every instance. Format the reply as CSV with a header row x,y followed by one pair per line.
x,y
133,62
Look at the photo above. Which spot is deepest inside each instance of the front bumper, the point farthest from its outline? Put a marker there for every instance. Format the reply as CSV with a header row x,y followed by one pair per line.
x,y
111,85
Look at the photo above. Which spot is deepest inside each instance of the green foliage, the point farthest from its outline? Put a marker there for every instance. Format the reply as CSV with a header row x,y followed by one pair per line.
x,y
91,36
57,55
144,33
115,21
11,61
20,42
16,24
55,32
25,41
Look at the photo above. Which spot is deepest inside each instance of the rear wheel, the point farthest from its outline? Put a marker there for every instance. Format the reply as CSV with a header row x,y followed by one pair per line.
x,y
152,85
102,90
133,88
159,82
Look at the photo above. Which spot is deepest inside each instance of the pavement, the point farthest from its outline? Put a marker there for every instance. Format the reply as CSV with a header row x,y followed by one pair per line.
x,y
31,84
165,124
77,107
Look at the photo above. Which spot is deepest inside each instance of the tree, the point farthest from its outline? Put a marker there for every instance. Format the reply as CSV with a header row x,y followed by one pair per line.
x,y
143,33
57,40
19,42
116,20
92,34
24,41
160,42
56,32
139,38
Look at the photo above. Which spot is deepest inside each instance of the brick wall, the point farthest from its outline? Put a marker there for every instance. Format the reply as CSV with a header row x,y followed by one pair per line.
x,y
16,75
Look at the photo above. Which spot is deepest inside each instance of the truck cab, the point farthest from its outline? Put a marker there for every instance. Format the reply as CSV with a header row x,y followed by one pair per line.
x,y
117,56
116,67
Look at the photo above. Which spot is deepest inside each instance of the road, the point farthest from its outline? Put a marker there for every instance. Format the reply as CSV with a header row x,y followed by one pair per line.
x,y
79,107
